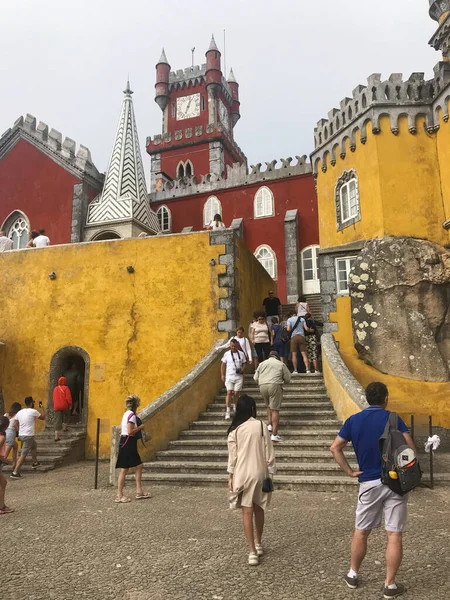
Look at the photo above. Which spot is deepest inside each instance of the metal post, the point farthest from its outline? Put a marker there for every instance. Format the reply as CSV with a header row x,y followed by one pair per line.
x,y
97,451
430,433
412,426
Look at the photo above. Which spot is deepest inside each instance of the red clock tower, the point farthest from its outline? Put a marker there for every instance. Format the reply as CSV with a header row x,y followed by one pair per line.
x,y
199,111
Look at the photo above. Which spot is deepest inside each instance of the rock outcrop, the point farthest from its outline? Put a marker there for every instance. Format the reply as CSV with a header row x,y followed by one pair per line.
x,y
400,290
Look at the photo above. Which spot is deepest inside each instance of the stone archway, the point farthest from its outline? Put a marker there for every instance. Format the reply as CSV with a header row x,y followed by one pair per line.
x,y
73,359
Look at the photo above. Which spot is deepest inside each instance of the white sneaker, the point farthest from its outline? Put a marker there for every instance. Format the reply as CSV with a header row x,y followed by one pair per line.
x,y
253,559
308,372
269,427
275,438
295,373
227,415
233,407
259,549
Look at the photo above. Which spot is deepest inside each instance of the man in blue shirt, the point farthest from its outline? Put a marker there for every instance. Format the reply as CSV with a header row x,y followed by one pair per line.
x,y
297,325
364,430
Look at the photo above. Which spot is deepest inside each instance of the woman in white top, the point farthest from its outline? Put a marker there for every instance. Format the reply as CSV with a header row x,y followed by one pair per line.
x,y
302,307
250,460
243,342
261,337
216,223
128,454
11,433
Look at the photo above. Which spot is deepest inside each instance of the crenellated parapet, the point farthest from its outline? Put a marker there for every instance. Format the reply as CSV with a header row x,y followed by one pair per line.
x,y
236,175
51,142
394,98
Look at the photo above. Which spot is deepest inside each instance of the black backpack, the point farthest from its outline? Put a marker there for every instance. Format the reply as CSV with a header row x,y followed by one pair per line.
x,y
400,466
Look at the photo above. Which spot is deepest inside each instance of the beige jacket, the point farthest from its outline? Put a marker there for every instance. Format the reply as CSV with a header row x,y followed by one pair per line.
x,y
272,370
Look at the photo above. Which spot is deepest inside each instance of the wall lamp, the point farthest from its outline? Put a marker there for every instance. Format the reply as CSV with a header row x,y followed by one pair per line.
x,y
130,269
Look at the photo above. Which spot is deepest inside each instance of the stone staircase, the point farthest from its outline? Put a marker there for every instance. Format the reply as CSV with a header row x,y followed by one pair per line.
x,y
53,454
315,304
308,425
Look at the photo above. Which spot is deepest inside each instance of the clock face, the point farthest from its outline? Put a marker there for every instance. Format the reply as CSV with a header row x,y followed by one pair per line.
x,y
188,107
223,114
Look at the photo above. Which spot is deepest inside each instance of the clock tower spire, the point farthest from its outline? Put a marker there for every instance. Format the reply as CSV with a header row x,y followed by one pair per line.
x,y
200,109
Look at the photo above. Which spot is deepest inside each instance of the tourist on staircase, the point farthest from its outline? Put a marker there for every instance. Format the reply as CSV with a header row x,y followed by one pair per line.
x,y
232,372
261,337
4,423
243,342
297,327
250,461
272,307
25,424
5,242
271,375
62,404
216,223
277,341
302,307
128,458
312,341
11,433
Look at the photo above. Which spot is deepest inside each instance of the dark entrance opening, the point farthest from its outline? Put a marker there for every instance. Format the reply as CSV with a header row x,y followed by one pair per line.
x,y
72,363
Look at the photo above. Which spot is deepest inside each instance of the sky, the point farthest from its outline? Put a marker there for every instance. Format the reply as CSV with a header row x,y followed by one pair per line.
x,y
67,63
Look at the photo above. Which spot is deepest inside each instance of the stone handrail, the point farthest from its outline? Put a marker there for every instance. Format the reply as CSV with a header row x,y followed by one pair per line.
x,y
346,394
175,418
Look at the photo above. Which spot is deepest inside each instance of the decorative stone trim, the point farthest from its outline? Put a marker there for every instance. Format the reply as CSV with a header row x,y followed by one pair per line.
x,y
341,372
228,279
343,179
292,254
237,225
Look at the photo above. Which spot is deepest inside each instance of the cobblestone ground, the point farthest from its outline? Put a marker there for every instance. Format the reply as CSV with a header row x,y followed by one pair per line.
x,y
69,541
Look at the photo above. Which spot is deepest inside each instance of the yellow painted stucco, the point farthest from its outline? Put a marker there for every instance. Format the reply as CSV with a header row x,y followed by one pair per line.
x,y
343,404
148,328
406,396
399,178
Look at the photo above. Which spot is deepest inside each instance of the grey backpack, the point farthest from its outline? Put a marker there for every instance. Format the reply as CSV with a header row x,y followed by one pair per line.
x,y
400,465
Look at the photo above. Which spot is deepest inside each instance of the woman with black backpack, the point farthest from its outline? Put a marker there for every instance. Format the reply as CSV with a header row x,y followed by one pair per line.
x,y
131,431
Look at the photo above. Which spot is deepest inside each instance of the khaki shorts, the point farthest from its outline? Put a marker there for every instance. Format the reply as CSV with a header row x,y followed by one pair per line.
x,y
376,499
235,384
298,343
28,444
272,394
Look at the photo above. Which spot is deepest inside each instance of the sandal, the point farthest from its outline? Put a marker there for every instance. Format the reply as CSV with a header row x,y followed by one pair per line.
x,y
253,559
122,500
143,496
6,510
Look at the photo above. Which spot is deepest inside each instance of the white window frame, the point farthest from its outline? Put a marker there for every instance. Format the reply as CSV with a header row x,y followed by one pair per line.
x,y
11,220
348,268
211,207
264,203
274,271
351,203
161,210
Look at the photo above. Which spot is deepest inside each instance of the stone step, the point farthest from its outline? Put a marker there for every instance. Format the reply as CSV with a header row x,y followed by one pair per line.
x,y
26,467
287,423
316,469
300,482
290,444
298,400
294,408
281,455
288,415
222,427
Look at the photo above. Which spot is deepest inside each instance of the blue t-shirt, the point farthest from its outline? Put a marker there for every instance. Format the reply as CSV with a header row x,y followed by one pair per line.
x,y
277,329
364,430
299,330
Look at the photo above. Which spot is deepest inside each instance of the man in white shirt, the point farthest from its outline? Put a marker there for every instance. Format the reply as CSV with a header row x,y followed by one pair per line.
x,y
232,372
41,241
25,424
5,242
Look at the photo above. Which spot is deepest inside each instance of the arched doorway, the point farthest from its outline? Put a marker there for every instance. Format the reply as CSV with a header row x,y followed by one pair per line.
x,y
106,235
73,363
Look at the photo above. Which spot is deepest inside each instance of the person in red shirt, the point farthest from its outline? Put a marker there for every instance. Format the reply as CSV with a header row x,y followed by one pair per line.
x,y
62,403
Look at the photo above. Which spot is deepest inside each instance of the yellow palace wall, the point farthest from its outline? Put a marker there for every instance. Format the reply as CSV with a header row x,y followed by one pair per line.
x,y
148,328
399,177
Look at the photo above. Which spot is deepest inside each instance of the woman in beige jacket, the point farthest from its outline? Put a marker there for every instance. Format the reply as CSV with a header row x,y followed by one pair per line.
x,y
250,460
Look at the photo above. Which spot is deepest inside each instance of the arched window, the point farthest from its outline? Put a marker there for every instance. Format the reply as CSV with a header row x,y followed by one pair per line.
x,y
347,200
268,259
165,219
264,203
212,207
188,169
17,228
180,170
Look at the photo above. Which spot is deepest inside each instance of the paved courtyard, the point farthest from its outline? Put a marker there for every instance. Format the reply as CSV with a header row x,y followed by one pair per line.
x,y
67,540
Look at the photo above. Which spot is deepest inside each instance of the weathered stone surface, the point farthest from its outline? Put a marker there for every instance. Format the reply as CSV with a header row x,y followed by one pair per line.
x,y
400,290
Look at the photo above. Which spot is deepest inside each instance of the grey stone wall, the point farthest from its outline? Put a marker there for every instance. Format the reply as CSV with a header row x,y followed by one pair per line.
x,y
292,254
227,280
80,203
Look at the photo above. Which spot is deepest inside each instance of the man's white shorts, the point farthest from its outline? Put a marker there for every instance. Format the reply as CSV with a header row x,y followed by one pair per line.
x,y
234,384
376,499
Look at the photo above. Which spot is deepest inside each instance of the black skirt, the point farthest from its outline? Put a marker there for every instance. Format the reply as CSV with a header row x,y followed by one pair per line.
x,y
128,454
